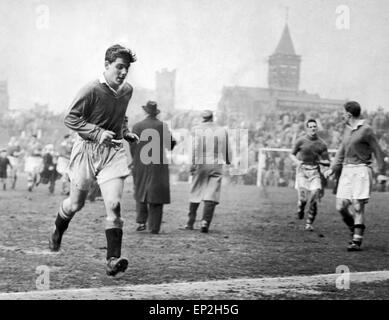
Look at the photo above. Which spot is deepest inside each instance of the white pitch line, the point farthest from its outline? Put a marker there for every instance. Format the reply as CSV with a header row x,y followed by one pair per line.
x,y
218,289
27,251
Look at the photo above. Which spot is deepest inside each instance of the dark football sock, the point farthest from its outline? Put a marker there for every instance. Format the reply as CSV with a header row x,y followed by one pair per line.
x,y
114,242
61,224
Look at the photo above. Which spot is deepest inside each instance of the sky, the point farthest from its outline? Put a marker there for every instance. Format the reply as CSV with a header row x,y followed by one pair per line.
x,y
51,48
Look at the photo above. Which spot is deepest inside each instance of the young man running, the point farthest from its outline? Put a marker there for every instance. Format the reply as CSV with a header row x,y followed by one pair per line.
x,y
98,116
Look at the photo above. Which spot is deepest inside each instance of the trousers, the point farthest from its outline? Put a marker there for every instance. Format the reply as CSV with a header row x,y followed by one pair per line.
x,y
150,213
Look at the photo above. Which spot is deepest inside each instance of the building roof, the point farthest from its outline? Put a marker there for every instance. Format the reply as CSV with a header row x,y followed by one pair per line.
x,y
285,46
248,92
264,94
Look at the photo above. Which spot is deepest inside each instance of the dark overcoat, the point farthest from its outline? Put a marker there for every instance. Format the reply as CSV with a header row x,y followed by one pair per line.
x,y
150,168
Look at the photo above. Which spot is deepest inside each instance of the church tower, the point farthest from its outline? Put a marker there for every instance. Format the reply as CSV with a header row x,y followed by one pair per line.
x,y
284,65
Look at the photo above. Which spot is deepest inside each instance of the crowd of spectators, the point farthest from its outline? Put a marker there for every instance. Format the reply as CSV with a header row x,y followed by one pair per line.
x,y
41,121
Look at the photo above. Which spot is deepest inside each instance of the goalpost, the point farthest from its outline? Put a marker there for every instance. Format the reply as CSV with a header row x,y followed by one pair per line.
x,y
262,160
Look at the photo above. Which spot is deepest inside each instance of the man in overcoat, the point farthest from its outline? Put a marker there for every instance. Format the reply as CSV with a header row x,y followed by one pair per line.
x,y
150,168
211,150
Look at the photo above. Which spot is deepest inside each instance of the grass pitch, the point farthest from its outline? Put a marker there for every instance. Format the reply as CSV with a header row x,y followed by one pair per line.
x,y
253,235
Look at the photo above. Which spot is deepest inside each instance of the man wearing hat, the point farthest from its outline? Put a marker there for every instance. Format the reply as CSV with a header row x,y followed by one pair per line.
x,y
150,169
208,158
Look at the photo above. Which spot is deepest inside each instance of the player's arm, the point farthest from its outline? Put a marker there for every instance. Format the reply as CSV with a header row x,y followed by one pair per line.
x,y
75,119
324,157
337,163
293,154
378,154
295,160
133,146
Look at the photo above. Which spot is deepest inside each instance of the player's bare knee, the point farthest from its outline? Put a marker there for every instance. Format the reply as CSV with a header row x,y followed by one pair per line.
x,y
357,207
114,207
76,206
341,205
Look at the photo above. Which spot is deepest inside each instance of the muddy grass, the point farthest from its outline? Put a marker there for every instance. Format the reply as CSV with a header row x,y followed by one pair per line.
x,y
251,236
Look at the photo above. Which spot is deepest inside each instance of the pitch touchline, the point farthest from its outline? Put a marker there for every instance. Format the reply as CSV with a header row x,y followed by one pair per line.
x,y
203,290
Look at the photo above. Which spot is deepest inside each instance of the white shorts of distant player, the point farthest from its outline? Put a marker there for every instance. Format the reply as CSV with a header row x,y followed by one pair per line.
x,y
33,165
355,182
308,177
62,165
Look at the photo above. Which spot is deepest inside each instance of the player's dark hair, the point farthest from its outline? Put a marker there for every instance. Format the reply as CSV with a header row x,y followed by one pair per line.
x,y
309,121
118,51
353,107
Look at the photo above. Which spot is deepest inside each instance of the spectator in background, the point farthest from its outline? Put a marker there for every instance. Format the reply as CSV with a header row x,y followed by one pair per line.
x,y
49,173
380,122
14,152
151,175
207,165
4,164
